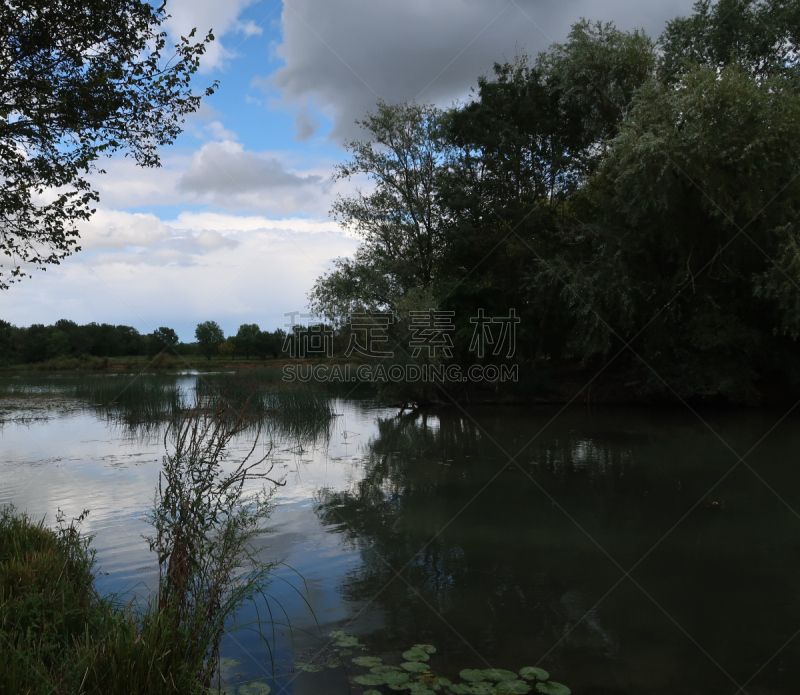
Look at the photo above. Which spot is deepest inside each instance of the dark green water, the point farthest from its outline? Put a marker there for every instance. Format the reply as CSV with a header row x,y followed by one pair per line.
x,y
580,541
527,561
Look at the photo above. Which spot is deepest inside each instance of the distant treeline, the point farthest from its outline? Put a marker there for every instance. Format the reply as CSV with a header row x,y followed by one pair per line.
x,y
38,343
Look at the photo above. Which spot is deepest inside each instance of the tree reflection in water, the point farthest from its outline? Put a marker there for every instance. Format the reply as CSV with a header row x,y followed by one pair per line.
x,y
514,558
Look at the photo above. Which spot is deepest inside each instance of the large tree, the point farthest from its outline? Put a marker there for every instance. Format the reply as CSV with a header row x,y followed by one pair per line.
x,y
209,337
398,218
80,79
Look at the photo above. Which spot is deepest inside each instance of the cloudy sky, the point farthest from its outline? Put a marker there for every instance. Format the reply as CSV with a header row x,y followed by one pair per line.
x,y
234,227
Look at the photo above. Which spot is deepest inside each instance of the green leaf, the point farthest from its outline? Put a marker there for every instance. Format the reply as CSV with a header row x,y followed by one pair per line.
x,y
372,692
427,648
369,679
553,688
385,668
367,661
415,655
513,687
415,666
254,689
459,689
472,674
499,674
395,677
230,663
531,672
310,668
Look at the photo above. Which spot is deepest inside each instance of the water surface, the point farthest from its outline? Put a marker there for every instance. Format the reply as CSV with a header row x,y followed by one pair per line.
x,y
585,542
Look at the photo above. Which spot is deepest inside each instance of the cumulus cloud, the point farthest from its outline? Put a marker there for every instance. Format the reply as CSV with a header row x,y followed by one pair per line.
x,y
344,56
114,229
227,168
254,275
221,17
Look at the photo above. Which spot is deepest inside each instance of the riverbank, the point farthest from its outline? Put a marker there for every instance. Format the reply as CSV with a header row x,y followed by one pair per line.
x,y
60,636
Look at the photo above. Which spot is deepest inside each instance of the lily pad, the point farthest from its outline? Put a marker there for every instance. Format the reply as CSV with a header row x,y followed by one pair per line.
x,y
230,663
415,666
368,661
347,642
385,668
480,689
416,655
427,648
458,689
254,689
399,686
513,687
395,678
553,688
472,674
444,681
531,672
310,668
499,674
369,679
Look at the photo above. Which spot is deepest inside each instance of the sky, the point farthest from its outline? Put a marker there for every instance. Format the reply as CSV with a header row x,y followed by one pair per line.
x,y
234,227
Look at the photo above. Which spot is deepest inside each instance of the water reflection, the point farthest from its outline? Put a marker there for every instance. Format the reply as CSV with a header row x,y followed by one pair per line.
x,y
528,562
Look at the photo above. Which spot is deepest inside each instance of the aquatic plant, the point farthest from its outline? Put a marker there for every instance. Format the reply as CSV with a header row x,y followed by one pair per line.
x,y
416,674
205,519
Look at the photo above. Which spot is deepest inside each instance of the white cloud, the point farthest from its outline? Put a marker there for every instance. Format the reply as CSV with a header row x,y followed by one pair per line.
x,y
221,17
253,273
343,56
113,229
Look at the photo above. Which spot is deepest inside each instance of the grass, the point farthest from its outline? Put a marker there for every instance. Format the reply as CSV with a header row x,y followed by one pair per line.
x,y
59,636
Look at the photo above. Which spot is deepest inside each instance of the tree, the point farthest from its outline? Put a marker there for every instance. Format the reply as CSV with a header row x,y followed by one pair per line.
x,y
762,37
162,340
400,220
247,339
209,336
78,80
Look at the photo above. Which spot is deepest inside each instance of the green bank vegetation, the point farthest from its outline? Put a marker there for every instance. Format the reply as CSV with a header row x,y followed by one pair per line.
x,y
634,200
60,636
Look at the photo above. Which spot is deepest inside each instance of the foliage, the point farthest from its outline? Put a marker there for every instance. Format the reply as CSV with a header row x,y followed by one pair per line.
x,y
400,220
80,79
608,193
205,517
420,678
162,340
209,336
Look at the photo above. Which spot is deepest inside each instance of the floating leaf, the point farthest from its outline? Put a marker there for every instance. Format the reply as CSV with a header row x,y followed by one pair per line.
x,y
385,668
472,674
427,648
480,689
553,688
513,687
415,655
459,689
531,672
345,652
415,666
254,689
395,678
332,665
310,668
369,679
367,661
347,642
444,681
499,674
399,686
230,663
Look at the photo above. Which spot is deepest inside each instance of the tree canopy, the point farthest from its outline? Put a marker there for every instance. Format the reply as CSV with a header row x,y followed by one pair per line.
x,y
624,200
78,80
